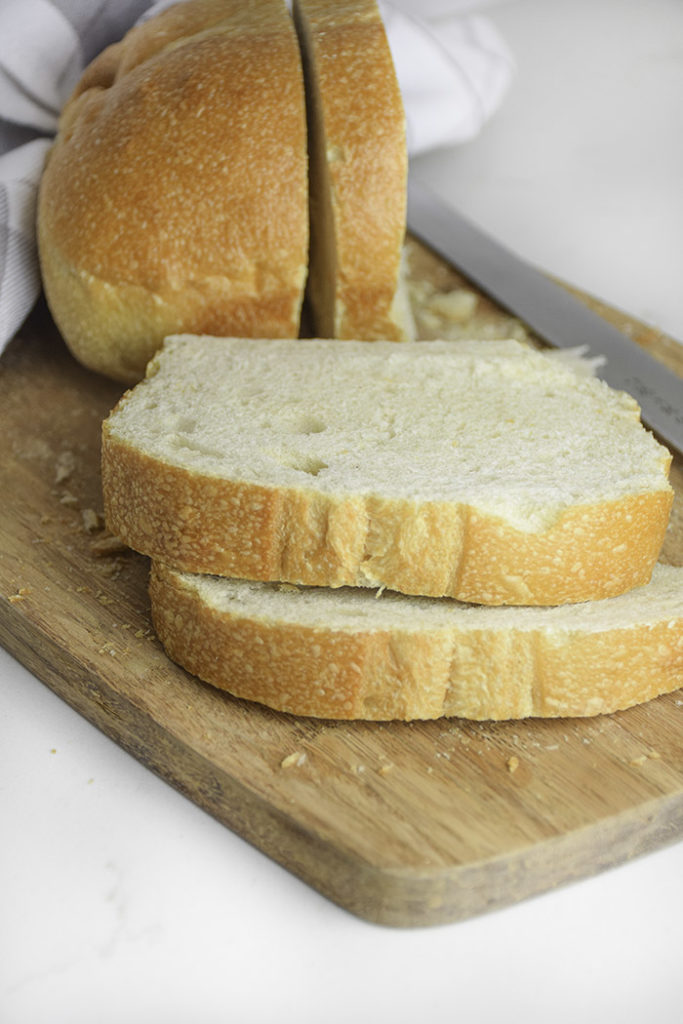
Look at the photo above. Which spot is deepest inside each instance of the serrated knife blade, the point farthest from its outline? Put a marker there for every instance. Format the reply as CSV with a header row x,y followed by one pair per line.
x,y
549,310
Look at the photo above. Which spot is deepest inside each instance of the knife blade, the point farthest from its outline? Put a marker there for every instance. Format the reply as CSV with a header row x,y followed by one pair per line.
x,y
549,310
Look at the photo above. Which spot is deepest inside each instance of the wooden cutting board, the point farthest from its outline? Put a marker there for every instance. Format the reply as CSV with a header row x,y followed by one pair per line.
x,y
401,824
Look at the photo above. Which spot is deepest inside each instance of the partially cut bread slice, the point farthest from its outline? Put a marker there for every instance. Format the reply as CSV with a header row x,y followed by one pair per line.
x,y
484,471
347,654
358,166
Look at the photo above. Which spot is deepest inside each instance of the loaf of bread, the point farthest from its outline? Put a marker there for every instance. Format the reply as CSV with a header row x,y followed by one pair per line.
x,y
344,654
483,471
175,197
358,169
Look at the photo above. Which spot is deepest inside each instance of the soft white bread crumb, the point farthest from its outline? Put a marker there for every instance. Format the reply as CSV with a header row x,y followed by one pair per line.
x,y
479,470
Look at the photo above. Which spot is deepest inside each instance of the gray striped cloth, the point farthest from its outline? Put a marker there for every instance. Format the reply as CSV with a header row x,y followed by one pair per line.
x,y
453,72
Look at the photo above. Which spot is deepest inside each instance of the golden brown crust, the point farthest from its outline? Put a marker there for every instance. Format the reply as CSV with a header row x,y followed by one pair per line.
x,y
392,674
358,164
206,524
175,197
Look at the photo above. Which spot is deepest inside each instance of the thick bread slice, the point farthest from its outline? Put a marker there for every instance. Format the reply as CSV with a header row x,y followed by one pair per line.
x,y
175,197
349,654
484,471
358,167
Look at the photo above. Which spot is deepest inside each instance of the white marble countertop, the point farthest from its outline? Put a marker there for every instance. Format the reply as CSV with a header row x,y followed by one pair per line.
x,y
121,900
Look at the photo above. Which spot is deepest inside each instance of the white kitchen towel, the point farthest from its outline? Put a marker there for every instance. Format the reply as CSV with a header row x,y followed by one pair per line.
x,y
453,69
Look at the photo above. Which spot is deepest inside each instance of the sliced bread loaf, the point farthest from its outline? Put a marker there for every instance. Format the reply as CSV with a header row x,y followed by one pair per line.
x,y
358,167
347,653
175,196
484,471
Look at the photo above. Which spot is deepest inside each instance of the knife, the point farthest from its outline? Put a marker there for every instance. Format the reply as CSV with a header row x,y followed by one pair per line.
x,y
549,310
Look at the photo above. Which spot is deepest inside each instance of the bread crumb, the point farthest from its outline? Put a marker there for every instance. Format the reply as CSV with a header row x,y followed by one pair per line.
x,y
428,321
110,569
64,466
92,520
294,760
21,593
456,306
68,499
107,544
512,764
642,759
386,768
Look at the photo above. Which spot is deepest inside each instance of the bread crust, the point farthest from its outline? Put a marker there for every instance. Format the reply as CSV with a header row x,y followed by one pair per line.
x,y
358,170
382,674
206,524
175,196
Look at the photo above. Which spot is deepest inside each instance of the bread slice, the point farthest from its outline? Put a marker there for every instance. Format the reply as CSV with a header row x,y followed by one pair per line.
x,y
346,653
175,197
484,471
358,167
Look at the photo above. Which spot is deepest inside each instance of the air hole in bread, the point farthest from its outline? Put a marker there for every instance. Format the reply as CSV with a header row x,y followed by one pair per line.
x,y
201,450
311,425
303,463
186,425
291,421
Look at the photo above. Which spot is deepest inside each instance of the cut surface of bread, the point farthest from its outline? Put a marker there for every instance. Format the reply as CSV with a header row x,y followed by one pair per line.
x,y
175,196
483,471
345,654
358,167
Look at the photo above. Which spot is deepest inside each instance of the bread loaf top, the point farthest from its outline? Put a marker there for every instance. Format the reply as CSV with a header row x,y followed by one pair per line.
x,y
175,196
482,470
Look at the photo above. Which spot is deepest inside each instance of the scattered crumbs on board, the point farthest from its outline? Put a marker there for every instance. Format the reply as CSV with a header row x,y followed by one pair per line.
x,y
92,520
65,464
294,760
651,755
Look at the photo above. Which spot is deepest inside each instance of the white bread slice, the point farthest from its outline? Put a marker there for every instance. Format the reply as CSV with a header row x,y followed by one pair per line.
x,y
358,166
344,654
484,471
175,196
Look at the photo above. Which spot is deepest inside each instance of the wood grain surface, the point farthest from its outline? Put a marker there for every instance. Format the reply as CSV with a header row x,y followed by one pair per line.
x,y
403,824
